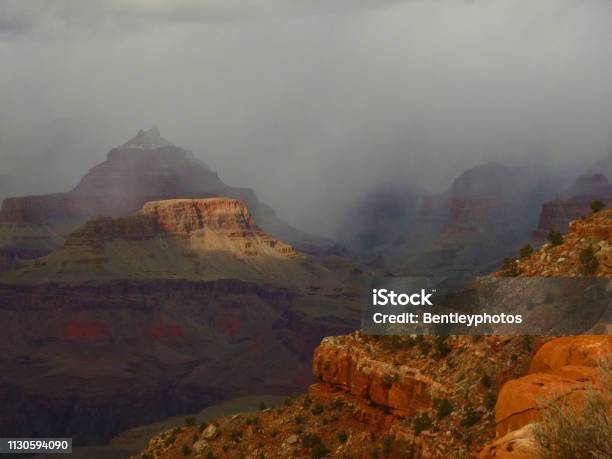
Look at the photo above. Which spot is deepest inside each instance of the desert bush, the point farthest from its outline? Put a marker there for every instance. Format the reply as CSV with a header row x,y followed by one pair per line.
x,y
485,380
190,421
568,431
588,262
470,418
319,451
317,409
596,206
342,437
186,450
421,423
443,407
526,251
510,267
555,237
441,346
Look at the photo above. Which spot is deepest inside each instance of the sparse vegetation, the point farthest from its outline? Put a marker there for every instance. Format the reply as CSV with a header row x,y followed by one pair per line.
x,y
470,418
555,237
317,409
443,407
190,421
485,380
568,431
342,437
186,450
526,251
596,206
421,423
490,400
441,346
510,267
262,406
318,451
588,262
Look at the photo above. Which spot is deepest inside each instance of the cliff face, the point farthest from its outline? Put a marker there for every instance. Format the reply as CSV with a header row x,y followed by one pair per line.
x,y
90,360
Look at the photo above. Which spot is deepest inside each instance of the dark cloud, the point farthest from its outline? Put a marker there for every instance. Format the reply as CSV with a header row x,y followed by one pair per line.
x,y
312,103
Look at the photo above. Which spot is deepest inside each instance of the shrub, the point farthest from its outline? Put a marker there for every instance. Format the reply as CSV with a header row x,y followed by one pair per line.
x,y
555,237
421,423
441,346
570,432
319,451
190,421
262,406
510,267
485,380
526,251
588,262
386,445
202,427
210,455
306,402
596,206
490,400
342,437
317,409
470,418
310,440
443,408
186,450
425,347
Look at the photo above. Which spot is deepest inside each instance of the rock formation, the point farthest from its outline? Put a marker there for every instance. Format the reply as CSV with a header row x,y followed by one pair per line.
x,y
486,213
146,168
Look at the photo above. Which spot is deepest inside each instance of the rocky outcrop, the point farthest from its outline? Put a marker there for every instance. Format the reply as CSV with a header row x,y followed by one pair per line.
x,y
564,370
564,260
400,389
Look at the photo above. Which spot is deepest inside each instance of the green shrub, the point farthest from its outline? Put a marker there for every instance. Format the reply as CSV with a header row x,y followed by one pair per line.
x,y
555,237
485,380
588,262
262,406
310,440
319,451
317,409
441,346
443,407
470,418
510,267
210,455
190,421
421,423
306,403
490,400
342,437
596,206
526,251
186,450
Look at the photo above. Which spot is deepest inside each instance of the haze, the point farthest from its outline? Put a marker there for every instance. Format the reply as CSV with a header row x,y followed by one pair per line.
x,y
310,103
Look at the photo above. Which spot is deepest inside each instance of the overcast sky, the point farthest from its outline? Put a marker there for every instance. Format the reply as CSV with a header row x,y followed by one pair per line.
x,y
311,103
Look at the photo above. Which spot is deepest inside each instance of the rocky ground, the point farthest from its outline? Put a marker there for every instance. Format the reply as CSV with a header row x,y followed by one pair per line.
x,y
564,260
376,397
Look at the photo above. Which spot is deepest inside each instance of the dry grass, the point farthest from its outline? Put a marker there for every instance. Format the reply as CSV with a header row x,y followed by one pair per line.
x,y
568,432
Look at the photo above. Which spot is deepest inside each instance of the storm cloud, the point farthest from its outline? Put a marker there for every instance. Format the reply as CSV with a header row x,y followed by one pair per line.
x,y
311,103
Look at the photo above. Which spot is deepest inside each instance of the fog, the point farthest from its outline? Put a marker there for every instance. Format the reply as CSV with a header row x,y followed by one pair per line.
x,y
310,103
